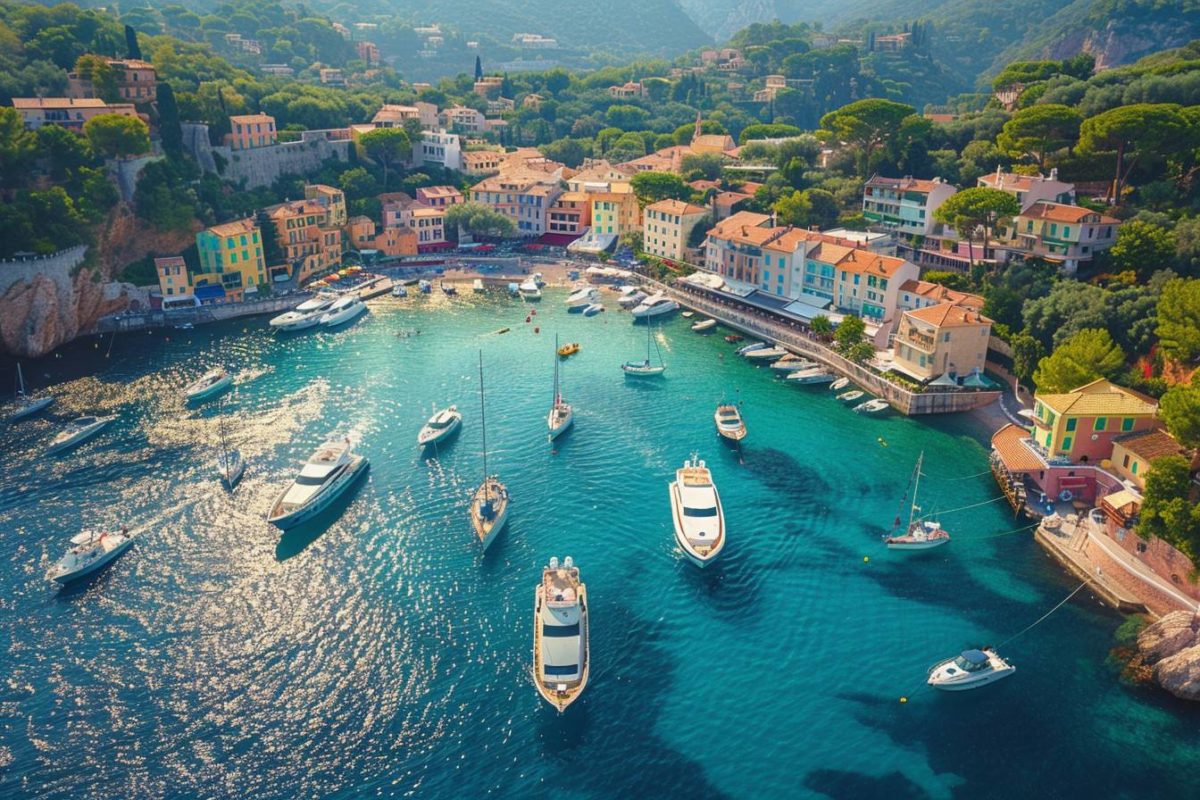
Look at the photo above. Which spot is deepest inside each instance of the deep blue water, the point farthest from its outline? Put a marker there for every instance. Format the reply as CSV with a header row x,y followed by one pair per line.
x,y
377,653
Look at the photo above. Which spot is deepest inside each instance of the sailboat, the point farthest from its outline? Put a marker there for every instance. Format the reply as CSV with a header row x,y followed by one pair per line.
x,y
489,504
231,465
646,369
26,405
561,414
921,534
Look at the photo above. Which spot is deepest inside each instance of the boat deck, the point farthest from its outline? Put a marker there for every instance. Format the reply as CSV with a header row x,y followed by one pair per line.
x,y
695,476
561,585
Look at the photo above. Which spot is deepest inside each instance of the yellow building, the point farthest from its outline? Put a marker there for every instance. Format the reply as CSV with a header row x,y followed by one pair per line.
x,y
1082,424
333,200
230,258
667,226
616,213
941,339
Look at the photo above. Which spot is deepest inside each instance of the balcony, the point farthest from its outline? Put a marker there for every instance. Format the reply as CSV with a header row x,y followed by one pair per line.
x,y
926,344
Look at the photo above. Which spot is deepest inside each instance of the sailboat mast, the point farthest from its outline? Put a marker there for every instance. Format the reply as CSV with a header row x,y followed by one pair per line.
x,y
20,381
916,488
556,369
483,425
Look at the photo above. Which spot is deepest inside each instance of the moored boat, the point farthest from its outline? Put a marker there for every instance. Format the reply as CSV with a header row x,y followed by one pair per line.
x,y
734,338
653,306
489,503
704,325
25,405
324,477
970,669
345,309
318,302
78,431
765,354
529,290
792,363
632,299
839,384
424,286
729,422
696,513
561,652
568,349
593,310
750,348
581,298
647,368
921,533
449,288
561,415
872,406
441,426
90,552
810,375
477,286
687,314
297,320
399,291
208,385
851,396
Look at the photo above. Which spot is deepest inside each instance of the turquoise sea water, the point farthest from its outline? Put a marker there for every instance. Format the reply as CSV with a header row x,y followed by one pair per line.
x,y
378,653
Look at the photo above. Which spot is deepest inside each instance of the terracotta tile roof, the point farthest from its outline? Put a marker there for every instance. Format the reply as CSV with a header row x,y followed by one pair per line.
x,y
906,184
440,191
949,315
1009,444
1150,444
739,221
936,291
1061,212
1014,181
235,228
676,207
58,102
703,185
297,208
852,259
250,119
1099,398
427,211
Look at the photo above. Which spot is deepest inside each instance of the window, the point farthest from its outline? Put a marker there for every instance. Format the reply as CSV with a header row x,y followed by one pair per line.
x,y
700,512
1100,423
1071,424
567,669
1125,462
1066,445
560,630
1127,424
1133,469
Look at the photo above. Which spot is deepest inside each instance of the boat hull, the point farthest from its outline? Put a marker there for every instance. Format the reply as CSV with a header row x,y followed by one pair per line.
x,y
638,371
309,321
95,566
30,408
321,500
561,700
77,439
975,682
689,552
342,317
209,391
903,543
231,476
439,436
562,426
655,311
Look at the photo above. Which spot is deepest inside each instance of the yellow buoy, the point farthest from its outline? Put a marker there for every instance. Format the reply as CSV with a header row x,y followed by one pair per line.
x,y
866,559
903,700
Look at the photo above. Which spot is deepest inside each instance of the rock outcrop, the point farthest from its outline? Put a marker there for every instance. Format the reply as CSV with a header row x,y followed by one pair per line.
x,y
1170,647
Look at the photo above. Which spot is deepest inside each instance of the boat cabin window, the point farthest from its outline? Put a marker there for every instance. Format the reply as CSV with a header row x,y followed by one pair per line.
x,y
560,630
967,666
700,512
566,669
310,480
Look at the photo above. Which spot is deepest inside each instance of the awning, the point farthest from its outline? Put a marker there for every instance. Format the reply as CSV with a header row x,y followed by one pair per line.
x,y
209,291
1118,500
945,379
976,380
556,239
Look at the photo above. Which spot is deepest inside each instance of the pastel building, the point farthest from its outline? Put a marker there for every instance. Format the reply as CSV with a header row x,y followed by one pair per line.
x,y
439,196
570,214
69,112
439,147
461,119
943,339
480,163
136,80
1030,188
251,130
1066,235
334,201
364,234
667,225
905,204
616,213
311,243
524,196
427,222
231,261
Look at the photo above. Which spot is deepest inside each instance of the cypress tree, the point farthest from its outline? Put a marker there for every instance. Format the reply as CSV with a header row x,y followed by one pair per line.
x,y
168,121
478,69
132,50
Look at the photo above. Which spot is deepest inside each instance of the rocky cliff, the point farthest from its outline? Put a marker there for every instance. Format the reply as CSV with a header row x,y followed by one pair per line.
x,y
47,302
1170,648
1120,42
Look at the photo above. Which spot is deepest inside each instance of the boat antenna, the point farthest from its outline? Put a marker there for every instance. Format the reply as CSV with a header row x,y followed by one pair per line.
x,y
483,427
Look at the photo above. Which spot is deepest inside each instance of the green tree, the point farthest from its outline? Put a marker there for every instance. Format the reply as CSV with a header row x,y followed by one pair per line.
x,y
705,166
1133,131
1179,319
627,117
850,332
117,136
1027,352
169,126
1180,410
1167,508
65,151
768,131
650,187
386,147
477,219
972,210
821,326
793,209
1142,247
866,124
132,50
1086,356
1039,130
102,76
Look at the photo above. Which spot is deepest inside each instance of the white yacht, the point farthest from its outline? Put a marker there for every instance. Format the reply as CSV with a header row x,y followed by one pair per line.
x,y
750,348
969,670
489,503
297,320
26,405
872,406
322,479
839,384
792,363
647,368
654,305
766,353
632,298
561,654
851,396
810,375
696,511
922,533
529,290
208,385
561,414
593,309
90,552
318,302
440,426
343,310
581,298
78,431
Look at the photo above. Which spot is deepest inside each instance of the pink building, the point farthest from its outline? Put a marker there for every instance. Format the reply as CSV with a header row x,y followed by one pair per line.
x,y
251,130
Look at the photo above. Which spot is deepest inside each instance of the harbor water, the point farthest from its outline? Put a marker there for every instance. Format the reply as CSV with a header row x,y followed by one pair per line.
x,y
376,652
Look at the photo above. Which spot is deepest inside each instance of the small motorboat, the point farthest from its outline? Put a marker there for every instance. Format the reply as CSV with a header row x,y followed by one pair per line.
x,y
810,375
750,348
78,431
538,279
839,384
344,310
424,286
184,326
529,290
399,291
90,552
687,314
208,385
791,363
632,299
477,286
568,349
871,406
766,354
593,310
581,298
969,670
440,426
729,422
449,289
734,338
850,396
704,325
514,289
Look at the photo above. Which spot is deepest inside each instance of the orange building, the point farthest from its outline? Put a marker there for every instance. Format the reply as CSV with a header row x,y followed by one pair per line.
x,y
251,130
311,243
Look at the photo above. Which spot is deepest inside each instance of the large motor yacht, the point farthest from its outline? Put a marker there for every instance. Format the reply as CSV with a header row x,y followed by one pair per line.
x,y
90,552
696,511
655,305
560,634
969,670
581,298
322,479
345,309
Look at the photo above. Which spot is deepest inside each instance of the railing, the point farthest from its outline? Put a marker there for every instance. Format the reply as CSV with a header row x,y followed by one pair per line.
x,y
797,339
